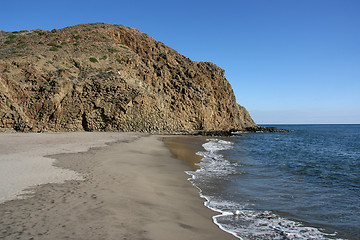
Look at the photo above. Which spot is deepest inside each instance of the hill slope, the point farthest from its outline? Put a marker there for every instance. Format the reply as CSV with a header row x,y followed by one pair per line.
x,y
103,77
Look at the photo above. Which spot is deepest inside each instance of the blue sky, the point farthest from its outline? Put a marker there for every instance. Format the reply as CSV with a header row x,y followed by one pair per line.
x,y
288,61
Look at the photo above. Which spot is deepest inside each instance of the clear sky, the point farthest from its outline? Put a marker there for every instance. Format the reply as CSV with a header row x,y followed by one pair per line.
x,y
288,61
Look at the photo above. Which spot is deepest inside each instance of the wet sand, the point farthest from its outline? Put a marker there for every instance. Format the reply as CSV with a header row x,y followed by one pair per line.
x,y
185,148
133,189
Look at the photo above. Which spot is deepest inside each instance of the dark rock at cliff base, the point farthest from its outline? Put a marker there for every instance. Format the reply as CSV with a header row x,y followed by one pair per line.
x,y
103,77
264,129
234,132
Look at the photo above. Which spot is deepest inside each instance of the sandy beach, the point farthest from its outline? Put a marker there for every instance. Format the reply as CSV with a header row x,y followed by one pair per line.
x,y
132,189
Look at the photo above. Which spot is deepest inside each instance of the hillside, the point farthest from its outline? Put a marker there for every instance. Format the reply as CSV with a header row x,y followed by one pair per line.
x,y
104,77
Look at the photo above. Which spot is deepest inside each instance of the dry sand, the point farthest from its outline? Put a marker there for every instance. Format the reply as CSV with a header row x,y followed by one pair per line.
x,y
133,189
23,161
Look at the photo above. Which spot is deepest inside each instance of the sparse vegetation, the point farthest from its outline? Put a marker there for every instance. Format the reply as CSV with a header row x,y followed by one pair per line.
x,y
54,46
94,60
22,44
54,49
103,57
9,41
39,32
113,50
77,37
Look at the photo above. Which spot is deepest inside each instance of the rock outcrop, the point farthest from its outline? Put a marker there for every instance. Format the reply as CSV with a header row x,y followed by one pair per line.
x,y
103,77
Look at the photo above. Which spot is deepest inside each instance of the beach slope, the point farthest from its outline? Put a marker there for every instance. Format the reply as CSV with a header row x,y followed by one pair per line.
x,y
133,189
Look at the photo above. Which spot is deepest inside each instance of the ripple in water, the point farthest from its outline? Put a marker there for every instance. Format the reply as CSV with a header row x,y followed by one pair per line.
x,y
298,185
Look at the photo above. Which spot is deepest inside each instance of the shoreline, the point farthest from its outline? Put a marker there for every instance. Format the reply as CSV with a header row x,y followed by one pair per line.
x,y
185,148
133,189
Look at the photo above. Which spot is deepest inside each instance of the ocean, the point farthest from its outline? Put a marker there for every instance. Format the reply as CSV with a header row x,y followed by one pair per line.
x,y
303,184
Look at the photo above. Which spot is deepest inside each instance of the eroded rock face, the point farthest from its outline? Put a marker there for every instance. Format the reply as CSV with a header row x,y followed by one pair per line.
x,y
103,77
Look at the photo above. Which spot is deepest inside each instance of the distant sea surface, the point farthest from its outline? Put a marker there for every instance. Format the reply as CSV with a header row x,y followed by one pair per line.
x,y
304,184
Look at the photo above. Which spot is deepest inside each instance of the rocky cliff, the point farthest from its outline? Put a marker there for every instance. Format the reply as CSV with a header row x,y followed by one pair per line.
x,y
103,77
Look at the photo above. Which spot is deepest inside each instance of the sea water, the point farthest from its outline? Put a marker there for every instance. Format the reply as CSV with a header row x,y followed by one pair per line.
x,y
304,184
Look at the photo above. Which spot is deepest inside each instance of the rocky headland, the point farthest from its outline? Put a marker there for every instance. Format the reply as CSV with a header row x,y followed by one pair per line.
x,y
104,77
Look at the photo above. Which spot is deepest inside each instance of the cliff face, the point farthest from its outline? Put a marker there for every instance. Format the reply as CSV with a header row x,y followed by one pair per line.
x,y
102,77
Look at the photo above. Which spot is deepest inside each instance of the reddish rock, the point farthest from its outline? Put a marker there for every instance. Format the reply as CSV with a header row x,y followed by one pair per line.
x,y
48,83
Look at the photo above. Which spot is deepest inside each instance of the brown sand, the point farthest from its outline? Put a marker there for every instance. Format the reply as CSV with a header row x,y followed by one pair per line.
x,y
185,148
133,190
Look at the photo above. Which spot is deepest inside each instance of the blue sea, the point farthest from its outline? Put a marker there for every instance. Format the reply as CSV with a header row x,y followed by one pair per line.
x,y
303,184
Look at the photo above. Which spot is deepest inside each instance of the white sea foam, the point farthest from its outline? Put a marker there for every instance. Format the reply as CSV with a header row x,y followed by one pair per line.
x,y
215,145
239,219
250,224
213,162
